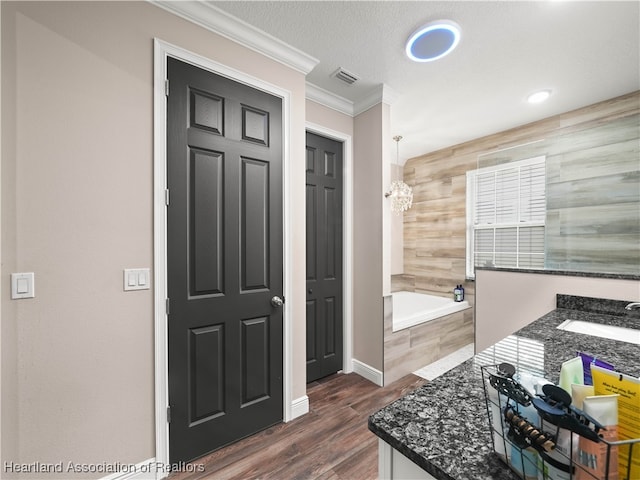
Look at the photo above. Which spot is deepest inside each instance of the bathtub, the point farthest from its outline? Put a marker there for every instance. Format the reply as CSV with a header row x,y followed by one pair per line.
x,y
410,309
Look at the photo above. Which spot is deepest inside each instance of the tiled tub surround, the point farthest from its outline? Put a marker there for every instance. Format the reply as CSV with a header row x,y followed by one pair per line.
x,y
412,348
443,428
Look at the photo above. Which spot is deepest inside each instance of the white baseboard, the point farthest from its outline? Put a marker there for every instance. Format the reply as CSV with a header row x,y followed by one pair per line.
x,y
146,470
151,470
372,374
299,407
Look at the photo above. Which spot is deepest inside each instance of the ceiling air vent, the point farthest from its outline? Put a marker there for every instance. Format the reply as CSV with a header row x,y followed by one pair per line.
x,y
347,77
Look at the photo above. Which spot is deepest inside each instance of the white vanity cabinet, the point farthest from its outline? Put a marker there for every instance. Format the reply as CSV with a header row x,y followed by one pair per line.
x,y
392,465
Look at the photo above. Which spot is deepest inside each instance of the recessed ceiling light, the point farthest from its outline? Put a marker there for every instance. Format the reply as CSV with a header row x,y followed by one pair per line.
x,y
539,97
433,41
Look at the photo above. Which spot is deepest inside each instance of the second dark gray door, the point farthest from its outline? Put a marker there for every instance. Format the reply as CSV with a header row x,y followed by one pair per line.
x,y
324,256
224,260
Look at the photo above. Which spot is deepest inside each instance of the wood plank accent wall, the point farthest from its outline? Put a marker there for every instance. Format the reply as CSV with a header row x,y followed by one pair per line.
x,y
434,228
593,199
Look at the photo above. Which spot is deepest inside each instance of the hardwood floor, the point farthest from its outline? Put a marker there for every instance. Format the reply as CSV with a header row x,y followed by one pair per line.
x,y
331,442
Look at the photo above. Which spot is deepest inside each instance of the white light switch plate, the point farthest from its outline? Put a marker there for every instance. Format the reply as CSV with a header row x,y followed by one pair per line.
x,y
136,279
23,285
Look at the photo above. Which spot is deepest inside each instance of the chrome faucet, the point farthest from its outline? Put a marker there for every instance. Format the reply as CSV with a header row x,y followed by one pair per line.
x,y
633,305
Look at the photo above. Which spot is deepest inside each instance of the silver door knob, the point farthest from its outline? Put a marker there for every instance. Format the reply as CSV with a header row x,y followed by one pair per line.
x,y
277,301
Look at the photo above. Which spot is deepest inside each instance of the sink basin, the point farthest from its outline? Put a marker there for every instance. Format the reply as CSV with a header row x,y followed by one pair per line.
x,y
612,332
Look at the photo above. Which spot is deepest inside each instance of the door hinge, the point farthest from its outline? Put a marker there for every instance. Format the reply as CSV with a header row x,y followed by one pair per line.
x,y
166,197
166,87
167,306
168,414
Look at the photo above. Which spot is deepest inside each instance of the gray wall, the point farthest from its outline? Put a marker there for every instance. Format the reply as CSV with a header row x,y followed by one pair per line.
x,y
77,188
368,236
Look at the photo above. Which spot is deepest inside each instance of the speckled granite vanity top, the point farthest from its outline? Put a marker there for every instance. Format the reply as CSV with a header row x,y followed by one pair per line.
x,y
443,425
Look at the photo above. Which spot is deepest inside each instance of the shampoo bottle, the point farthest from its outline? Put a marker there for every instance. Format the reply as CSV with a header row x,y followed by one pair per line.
x,y
457,294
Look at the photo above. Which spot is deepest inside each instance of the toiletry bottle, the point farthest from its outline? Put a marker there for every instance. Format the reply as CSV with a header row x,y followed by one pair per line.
x,y
456,293
558,460
525,461
496,404
592,457
571,372
561,455
461,293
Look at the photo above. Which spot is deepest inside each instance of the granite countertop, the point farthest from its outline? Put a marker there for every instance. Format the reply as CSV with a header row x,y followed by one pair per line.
x,y
571,273
443,425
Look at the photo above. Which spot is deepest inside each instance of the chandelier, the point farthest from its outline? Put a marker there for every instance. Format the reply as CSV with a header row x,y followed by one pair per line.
x,y
400,194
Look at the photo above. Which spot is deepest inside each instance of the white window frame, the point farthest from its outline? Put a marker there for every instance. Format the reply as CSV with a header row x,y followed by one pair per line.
x,y
471,208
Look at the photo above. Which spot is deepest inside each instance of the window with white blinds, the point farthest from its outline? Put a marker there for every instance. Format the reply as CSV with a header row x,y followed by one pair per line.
x,y
506,209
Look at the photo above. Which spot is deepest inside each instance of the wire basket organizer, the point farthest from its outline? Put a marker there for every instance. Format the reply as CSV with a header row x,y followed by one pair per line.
x,y
536,447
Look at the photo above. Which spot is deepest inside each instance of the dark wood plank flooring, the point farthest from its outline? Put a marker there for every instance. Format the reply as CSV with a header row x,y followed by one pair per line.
x,y
331,442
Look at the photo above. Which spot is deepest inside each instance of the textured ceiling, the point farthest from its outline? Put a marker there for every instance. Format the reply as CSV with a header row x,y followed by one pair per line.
x,y
585,52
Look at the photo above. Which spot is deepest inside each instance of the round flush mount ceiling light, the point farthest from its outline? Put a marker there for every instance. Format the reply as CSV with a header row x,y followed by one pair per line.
x,y
433,41
539,97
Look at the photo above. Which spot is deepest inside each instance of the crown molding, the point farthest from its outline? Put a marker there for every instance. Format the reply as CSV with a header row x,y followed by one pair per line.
x,y
245,34
381,94
222,23
329,99
389,95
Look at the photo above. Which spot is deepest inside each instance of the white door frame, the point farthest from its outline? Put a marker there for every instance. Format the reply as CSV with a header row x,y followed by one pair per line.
x,y
163,50
347,239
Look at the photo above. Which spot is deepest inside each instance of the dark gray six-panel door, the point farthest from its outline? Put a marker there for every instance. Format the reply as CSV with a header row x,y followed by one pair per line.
x,y
324,256
224,254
